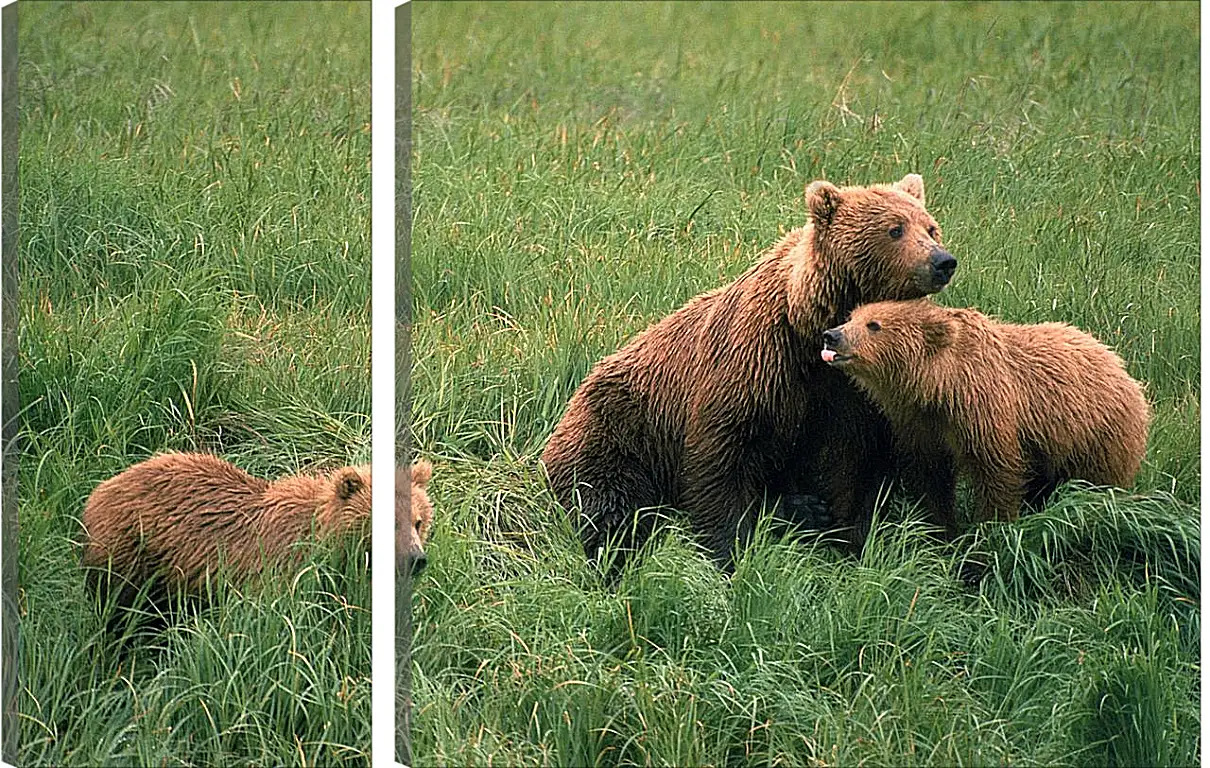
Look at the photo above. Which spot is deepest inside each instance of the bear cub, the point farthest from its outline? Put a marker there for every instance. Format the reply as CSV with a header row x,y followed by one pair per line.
x,y
1020,408
173,519
410,539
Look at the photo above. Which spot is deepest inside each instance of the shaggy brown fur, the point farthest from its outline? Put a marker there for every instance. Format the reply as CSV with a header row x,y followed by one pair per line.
x,y
1020,407
177,516
727,399
410,539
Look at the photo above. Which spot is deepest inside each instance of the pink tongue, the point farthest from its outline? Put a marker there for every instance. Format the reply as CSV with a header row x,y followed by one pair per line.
x,y
828,355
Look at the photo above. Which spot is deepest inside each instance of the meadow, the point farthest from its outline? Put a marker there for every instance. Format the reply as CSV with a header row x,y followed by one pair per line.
x,y
580,170
194,270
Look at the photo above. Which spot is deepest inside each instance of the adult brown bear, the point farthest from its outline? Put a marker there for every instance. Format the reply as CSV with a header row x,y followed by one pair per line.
x,y
727,400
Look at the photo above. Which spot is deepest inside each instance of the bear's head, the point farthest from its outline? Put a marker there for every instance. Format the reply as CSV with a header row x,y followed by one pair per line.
x,y
414,516
889,342
880,238
346,500
347,507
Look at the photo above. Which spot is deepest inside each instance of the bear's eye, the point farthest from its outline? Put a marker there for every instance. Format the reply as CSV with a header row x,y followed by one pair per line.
x,y
896,232
933,232
874,325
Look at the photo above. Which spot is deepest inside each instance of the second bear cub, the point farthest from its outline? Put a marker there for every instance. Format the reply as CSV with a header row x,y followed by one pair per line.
x,y
1021,408
176,517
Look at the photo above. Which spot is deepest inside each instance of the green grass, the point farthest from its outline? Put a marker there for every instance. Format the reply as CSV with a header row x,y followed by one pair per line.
x,y
581,170
194,274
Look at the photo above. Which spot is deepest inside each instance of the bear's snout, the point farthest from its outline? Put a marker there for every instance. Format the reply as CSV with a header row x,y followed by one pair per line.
x,y
943,265
833,346
413,562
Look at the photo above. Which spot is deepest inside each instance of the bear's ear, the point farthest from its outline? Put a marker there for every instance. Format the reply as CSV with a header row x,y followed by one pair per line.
x,y
823,198
938,335
348,482
912,184
422,471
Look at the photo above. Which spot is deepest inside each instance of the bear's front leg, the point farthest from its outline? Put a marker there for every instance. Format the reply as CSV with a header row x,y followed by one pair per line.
x,y
928,475
851,466
998,471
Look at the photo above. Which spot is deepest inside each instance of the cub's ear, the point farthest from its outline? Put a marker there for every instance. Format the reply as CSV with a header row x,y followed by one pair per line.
x,y
422,471
348,482
912,184
823,198
938,335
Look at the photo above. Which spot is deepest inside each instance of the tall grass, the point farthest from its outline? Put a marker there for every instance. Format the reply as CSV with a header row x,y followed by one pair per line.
x,y
194,275
580,170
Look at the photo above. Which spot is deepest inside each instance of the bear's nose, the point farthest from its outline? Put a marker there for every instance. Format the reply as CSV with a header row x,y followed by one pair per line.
x,y
831,337
414,562
943,262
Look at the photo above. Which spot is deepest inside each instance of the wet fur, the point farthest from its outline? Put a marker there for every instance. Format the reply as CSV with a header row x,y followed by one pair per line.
x,y
175,517
410,539
726,401
1021,408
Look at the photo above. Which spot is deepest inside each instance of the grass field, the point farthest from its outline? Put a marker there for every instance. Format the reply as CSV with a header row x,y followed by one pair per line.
x,y
194,274
581,170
